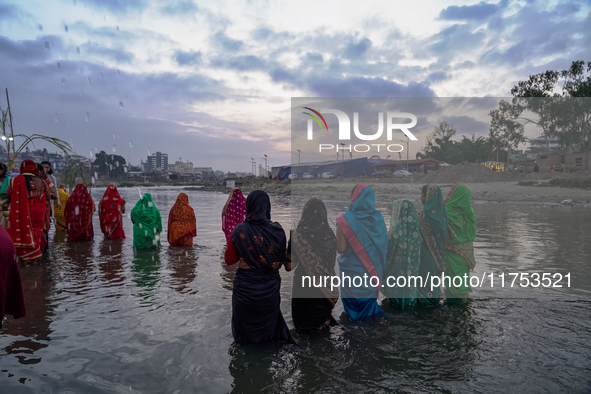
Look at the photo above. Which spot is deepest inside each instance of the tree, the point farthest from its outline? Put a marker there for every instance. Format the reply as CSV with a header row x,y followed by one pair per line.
x,y
173,177
439,142
110,165
505,130
559,110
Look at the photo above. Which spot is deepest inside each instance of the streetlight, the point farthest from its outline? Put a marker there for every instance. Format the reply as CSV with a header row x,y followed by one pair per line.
x,y
343,160
266,166
253,168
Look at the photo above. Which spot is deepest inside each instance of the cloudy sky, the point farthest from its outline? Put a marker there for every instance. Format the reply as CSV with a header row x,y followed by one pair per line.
x,y
212,82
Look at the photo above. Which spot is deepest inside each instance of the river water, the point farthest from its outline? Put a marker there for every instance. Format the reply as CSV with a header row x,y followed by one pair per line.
x,y
103,318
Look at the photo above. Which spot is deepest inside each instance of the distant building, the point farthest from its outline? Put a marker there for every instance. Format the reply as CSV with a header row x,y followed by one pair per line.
x,y
181,168
540,145
204,173
157,162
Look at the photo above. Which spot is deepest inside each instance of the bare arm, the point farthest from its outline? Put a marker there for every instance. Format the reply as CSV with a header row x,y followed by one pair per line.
x,y
341,241
287,265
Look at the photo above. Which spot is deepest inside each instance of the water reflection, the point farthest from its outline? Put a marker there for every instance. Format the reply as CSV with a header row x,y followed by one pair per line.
x,y
91,324
32,332
146,275
182,263
111,264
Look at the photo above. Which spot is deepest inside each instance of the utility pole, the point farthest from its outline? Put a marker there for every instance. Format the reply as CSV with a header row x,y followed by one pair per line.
x,y
253,167
343,160
407,141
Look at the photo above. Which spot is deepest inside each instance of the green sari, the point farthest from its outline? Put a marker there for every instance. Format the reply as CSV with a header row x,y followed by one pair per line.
x,y
433,224
459,249
3,197
147,224
404,242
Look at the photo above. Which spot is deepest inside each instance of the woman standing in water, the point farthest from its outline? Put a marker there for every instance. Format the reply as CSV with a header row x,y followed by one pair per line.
x,y
58,210
4,182
147,224
362,240
182,224
259,244
403,259
26,196
111,209
234,212
459,250
78,214
313,249
433,224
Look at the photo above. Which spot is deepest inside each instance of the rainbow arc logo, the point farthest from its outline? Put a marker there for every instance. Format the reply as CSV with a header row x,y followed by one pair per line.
x,y
315,118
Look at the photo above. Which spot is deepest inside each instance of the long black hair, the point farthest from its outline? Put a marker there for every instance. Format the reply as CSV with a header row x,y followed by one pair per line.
x,y
424,190
49,164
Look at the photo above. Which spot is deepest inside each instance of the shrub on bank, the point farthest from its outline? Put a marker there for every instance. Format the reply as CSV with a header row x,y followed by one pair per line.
x,y
573,182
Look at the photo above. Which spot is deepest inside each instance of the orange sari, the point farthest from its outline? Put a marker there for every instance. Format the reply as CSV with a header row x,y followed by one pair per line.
x,y
182,224
78,214
111,213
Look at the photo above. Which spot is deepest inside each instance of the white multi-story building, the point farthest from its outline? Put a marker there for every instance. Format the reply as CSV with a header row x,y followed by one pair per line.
x,y
181,168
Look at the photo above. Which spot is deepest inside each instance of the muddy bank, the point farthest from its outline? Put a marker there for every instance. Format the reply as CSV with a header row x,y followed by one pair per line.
x,y
390,189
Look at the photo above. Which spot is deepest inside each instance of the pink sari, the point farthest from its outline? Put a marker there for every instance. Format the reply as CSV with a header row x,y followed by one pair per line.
x,y
234,212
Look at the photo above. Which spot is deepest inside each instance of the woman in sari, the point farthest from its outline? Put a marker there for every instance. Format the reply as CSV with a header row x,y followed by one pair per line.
x,y
111,209
403,258
147,223
51,194
433,224
362,241
259,245
459,250
78,214
234,212
4,182
26,196
182,224
313,250
58,209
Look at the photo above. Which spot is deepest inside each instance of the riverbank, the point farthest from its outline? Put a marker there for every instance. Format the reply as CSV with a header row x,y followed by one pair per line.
x,y
486,186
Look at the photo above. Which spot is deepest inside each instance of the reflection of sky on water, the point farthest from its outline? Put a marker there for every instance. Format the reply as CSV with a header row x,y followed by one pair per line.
x,y
103,315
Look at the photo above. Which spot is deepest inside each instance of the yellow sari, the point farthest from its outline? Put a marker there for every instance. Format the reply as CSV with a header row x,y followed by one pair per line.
x,y
58,213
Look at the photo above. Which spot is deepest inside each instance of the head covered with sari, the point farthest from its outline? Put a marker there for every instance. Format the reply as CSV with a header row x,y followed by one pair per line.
x,y
462,223
364,227
28,167
234,212
58,211
20,227
314,245
78,214
147,223
433,223
111,213
259,241
403,259
182,224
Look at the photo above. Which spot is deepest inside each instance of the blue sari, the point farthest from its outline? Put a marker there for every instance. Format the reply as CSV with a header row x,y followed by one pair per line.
x,y
367,245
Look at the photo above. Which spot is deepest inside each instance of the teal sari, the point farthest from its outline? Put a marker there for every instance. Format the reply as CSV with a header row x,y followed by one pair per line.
x,y
147,223
459,249
433,224
403,259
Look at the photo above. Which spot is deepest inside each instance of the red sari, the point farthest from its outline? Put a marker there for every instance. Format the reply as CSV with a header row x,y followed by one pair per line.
x,y
111,213
234,213
26,221
182,224
78,214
